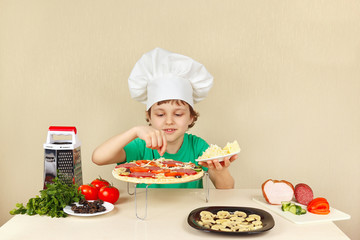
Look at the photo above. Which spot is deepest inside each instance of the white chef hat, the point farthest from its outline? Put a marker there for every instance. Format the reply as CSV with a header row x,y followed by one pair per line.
x,y
162,75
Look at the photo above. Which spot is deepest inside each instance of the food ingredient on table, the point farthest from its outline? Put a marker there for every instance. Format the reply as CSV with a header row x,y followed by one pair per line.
x,y
274,191
319,206
88,207
100,189
109,194
277,191
99,183
303,193
293,208
226,221
89,191
51,200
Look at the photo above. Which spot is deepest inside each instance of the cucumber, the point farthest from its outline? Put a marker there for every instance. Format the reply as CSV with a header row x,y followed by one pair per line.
x,y
298,210
285,206
303,211
293,208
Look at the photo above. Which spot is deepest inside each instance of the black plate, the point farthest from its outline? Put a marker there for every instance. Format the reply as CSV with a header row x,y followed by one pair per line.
x,y
266,218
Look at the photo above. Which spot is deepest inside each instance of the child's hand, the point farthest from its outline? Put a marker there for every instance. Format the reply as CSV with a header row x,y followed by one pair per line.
x,y
219,172
155,139
216,165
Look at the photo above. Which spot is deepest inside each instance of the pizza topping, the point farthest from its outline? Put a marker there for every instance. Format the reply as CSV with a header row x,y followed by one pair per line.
x,y
145,163
139,169
185,171
154,168
141,162
126,165
159,169
142,174
171,164
123,171
197,169
174,174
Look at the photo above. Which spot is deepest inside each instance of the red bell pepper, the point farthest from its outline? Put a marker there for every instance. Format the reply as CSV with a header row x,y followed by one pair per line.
x,y
319,206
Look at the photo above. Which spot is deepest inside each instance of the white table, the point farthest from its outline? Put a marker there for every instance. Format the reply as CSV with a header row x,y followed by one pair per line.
x,y
167,214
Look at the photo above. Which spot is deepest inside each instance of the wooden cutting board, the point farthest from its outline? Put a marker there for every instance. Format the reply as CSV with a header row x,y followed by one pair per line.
x,y
334,215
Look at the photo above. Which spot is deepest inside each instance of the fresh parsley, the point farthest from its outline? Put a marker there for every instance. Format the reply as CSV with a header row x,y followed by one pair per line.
x,y
51,201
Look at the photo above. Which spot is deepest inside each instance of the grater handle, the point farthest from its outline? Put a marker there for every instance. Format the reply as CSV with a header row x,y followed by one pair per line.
x,y
62,130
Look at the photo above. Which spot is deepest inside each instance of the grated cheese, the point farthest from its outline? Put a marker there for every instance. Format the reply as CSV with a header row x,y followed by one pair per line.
x,y
216,151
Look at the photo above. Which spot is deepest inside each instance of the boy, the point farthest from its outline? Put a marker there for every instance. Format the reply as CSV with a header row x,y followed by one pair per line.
x,y
168,84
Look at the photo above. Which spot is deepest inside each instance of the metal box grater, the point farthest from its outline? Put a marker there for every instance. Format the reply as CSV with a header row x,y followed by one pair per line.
x,y
62,156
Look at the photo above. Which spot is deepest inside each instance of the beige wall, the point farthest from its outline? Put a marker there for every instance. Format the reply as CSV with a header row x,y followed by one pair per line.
x,y
287,86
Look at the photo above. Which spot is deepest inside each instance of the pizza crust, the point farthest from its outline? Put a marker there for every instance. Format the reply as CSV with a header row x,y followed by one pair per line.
x,y
163,180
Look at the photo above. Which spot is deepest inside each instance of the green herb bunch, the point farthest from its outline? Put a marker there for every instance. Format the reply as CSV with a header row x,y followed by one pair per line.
x,y
51,201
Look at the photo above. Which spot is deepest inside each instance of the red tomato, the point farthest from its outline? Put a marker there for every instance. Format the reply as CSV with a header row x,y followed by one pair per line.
x,y
171,165
90,192
109,194
142,162
99,183
319,206
152,164
139,169
174,174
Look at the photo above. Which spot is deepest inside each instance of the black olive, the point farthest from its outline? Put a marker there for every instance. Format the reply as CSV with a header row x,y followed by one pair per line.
x,y
89,207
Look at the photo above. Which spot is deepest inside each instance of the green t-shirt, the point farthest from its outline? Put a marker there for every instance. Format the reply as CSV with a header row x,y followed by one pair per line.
x,y
191,149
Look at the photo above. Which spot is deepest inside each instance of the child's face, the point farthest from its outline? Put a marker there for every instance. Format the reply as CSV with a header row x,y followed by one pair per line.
x,y
171,118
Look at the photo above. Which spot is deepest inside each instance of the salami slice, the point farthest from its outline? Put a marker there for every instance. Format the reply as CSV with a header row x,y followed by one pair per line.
x,y
154,168
172,162
126,165
142,174
186,171
303,193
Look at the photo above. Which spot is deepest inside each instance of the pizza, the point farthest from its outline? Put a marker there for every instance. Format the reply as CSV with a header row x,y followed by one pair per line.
x,y
158,171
